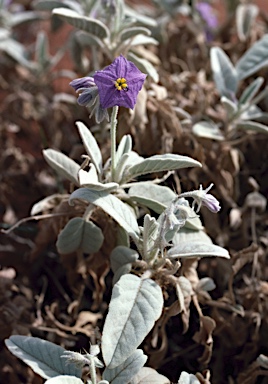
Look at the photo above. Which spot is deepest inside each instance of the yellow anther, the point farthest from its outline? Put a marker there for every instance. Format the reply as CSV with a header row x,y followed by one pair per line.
x,y
121,84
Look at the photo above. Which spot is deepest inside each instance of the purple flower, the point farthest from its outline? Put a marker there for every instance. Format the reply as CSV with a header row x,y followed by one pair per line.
x,y
207,14
89,97
119,83
202,197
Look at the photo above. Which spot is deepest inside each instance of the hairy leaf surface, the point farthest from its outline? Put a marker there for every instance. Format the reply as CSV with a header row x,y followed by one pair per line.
x,y
79,234
135,306
125,371
42,356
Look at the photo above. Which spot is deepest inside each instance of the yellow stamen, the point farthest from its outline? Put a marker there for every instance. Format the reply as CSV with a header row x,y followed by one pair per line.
x,y
121,84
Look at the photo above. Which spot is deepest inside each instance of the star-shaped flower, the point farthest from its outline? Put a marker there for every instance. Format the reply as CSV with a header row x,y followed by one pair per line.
x,y
202,197
119,83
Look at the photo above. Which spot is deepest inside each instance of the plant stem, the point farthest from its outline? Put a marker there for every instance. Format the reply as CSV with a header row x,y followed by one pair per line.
x,y
113,140
92,370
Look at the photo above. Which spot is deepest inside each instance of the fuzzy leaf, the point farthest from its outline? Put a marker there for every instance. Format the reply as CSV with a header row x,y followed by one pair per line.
x,y
127,370
254,59
159,163
155,197
23,17
252,126
122,255
90,180
245,17
133,31
186,378
207,130
124,146
62,164
224,72
251,91
87,24
135,306
42,356
149,376
90,145
79,234
119,211
49,5
64,380
197,249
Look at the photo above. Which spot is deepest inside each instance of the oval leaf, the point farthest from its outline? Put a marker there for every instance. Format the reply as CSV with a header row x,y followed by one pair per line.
x,y
42,356
207,130
224,73
64,380
155,197
133,31
124,372
91,146
119,211
79,234
160,163
197,249
122,255
252,126
251,91
148,376
254,59
135,306
87,24
245,17
62,164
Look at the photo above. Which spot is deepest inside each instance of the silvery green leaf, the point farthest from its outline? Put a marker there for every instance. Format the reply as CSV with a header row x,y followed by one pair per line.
x,y
87,24
122,255
79,234
140,18
119,211
207,130
252,126
90,180
135,305
128,33
91,146
205,284
123,373
150,232
62,164
230,107
262,360
41,50
64,380
224,73
123,270
23,17
245,17
254,59
186,378
4,34
250,92
190,235
159,163
84,39
143,40
17,52
155,197
49,5
124,146
144,66
42,356
120,167
197,249
47,203
149,376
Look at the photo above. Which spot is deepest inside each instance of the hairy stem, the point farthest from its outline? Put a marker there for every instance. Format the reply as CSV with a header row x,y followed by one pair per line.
x,y
113,140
